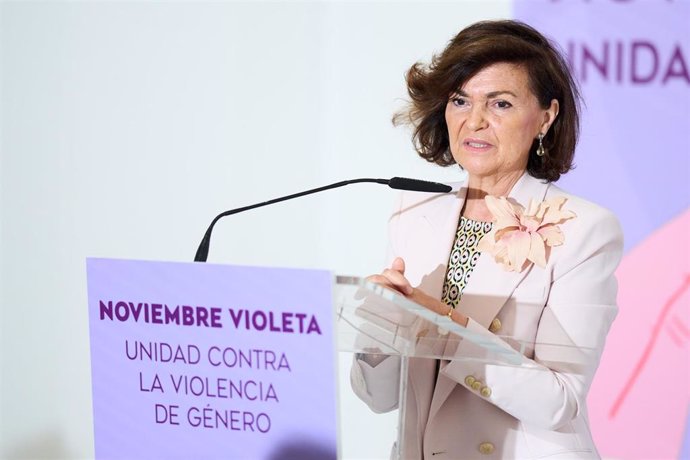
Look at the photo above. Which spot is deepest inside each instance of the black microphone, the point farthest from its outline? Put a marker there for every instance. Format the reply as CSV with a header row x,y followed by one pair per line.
x,y
400,183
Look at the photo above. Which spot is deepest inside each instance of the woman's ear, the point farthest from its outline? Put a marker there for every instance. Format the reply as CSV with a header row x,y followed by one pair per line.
x,y
550,115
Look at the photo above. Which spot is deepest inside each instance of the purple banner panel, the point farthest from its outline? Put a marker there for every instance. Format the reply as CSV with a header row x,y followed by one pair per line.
x,y
632,59
194,360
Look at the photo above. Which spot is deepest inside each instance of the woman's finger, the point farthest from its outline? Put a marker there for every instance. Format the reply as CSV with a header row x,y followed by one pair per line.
x,y
395,284
398,265
399,280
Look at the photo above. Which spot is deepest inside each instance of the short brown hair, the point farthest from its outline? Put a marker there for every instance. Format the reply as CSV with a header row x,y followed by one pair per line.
x,y
474,48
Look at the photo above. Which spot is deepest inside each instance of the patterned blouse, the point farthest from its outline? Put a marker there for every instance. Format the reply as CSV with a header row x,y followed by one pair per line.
x,y
463,258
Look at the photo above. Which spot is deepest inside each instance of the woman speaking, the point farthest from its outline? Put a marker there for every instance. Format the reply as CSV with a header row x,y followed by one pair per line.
x,y
509,255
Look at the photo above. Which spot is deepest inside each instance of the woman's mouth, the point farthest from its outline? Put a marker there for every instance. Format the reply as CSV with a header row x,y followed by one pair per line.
x,y
476,144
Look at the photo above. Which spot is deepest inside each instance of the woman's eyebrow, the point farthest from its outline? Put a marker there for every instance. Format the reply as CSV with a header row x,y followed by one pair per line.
x,y
498,93
488,95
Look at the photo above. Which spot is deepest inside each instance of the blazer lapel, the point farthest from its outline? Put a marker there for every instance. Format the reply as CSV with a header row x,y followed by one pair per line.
x,y
445,224
431,240
490,285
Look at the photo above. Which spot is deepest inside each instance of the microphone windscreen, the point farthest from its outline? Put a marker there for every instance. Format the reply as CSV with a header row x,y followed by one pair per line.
x,y
416,185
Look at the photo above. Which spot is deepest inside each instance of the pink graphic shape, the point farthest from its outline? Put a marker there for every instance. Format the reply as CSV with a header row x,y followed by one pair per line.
x,y
639,400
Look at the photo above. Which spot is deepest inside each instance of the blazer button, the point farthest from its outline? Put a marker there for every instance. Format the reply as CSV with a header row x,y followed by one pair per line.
x,y
469,381
486,448
486,392
495,325
476,385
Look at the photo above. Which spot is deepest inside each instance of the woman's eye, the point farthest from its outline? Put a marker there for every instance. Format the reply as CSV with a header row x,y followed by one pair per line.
x,y
458,101
503,104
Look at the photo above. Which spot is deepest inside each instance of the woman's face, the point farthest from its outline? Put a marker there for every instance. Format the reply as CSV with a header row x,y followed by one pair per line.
x,y
493,119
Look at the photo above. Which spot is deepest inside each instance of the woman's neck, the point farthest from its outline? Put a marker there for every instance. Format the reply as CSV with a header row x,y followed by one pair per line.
x,y
478,187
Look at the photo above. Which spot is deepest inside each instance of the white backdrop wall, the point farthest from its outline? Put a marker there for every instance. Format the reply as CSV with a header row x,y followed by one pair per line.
x,y
126,126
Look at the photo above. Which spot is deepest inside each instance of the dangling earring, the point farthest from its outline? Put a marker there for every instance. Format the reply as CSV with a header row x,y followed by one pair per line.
x,y
541,151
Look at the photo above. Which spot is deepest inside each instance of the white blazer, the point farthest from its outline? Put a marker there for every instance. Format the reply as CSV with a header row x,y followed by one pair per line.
x,y
562,312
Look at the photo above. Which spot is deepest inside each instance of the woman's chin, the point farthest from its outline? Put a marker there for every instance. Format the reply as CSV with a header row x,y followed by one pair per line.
x,y
480,168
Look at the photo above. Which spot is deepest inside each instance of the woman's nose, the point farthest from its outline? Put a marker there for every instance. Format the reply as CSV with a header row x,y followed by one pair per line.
x,y
477,118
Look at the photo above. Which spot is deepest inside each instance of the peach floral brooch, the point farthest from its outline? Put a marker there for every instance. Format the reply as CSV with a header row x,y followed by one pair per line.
x,y
522,236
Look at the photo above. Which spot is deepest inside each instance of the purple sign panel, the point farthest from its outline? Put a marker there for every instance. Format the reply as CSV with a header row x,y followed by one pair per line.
x,y
632,58
197,360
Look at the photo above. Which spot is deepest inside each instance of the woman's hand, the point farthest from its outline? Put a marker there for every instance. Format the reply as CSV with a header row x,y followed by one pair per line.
x,y
394,278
